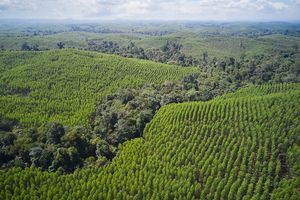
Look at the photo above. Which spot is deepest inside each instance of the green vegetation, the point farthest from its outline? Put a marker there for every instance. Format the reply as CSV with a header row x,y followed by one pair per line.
x,y
216,116
122,116
64,85
241,146
216,39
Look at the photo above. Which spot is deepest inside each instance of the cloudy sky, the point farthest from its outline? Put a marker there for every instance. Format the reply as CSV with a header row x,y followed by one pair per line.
x,y
228,10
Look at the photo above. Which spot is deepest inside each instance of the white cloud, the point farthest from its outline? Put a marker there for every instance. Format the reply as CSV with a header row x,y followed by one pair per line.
x,y
278,5
152,9
297,2
18,4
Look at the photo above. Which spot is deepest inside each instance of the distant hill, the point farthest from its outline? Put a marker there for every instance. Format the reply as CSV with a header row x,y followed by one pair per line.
x,y
241,146
64,85
218,39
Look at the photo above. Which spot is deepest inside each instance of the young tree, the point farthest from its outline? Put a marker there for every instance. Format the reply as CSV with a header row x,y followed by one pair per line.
x,y
61,45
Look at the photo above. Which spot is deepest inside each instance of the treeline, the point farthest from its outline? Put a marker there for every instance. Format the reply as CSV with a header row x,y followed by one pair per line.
x,y
279,64
170,52
92,28
26,47
154,33
35,47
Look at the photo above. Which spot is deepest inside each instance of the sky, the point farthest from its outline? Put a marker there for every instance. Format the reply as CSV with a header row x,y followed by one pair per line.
x,y
200,10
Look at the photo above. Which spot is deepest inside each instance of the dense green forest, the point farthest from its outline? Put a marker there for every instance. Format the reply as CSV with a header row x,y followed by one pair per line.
x,y
149,110
243,145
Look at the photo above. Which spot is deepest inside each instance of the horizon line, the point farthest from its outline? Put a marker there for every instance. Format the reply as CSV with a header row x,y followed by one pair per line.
x,y
149,20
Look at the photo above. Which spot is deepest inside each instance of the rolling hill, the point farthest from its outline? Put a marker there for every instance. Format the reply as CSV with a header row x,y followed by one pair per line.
x,y
64,85
217,39
241,146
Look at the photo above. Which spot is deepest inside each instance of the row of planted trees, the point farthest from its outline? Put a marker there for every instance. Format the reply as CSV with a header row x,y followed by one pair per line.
x,y
229,148
64,86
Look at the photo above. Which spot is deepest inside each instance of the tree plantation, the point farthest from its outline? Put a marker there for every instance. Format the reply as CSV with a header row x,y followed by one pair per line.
x,y
64,86
152,110
241,146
